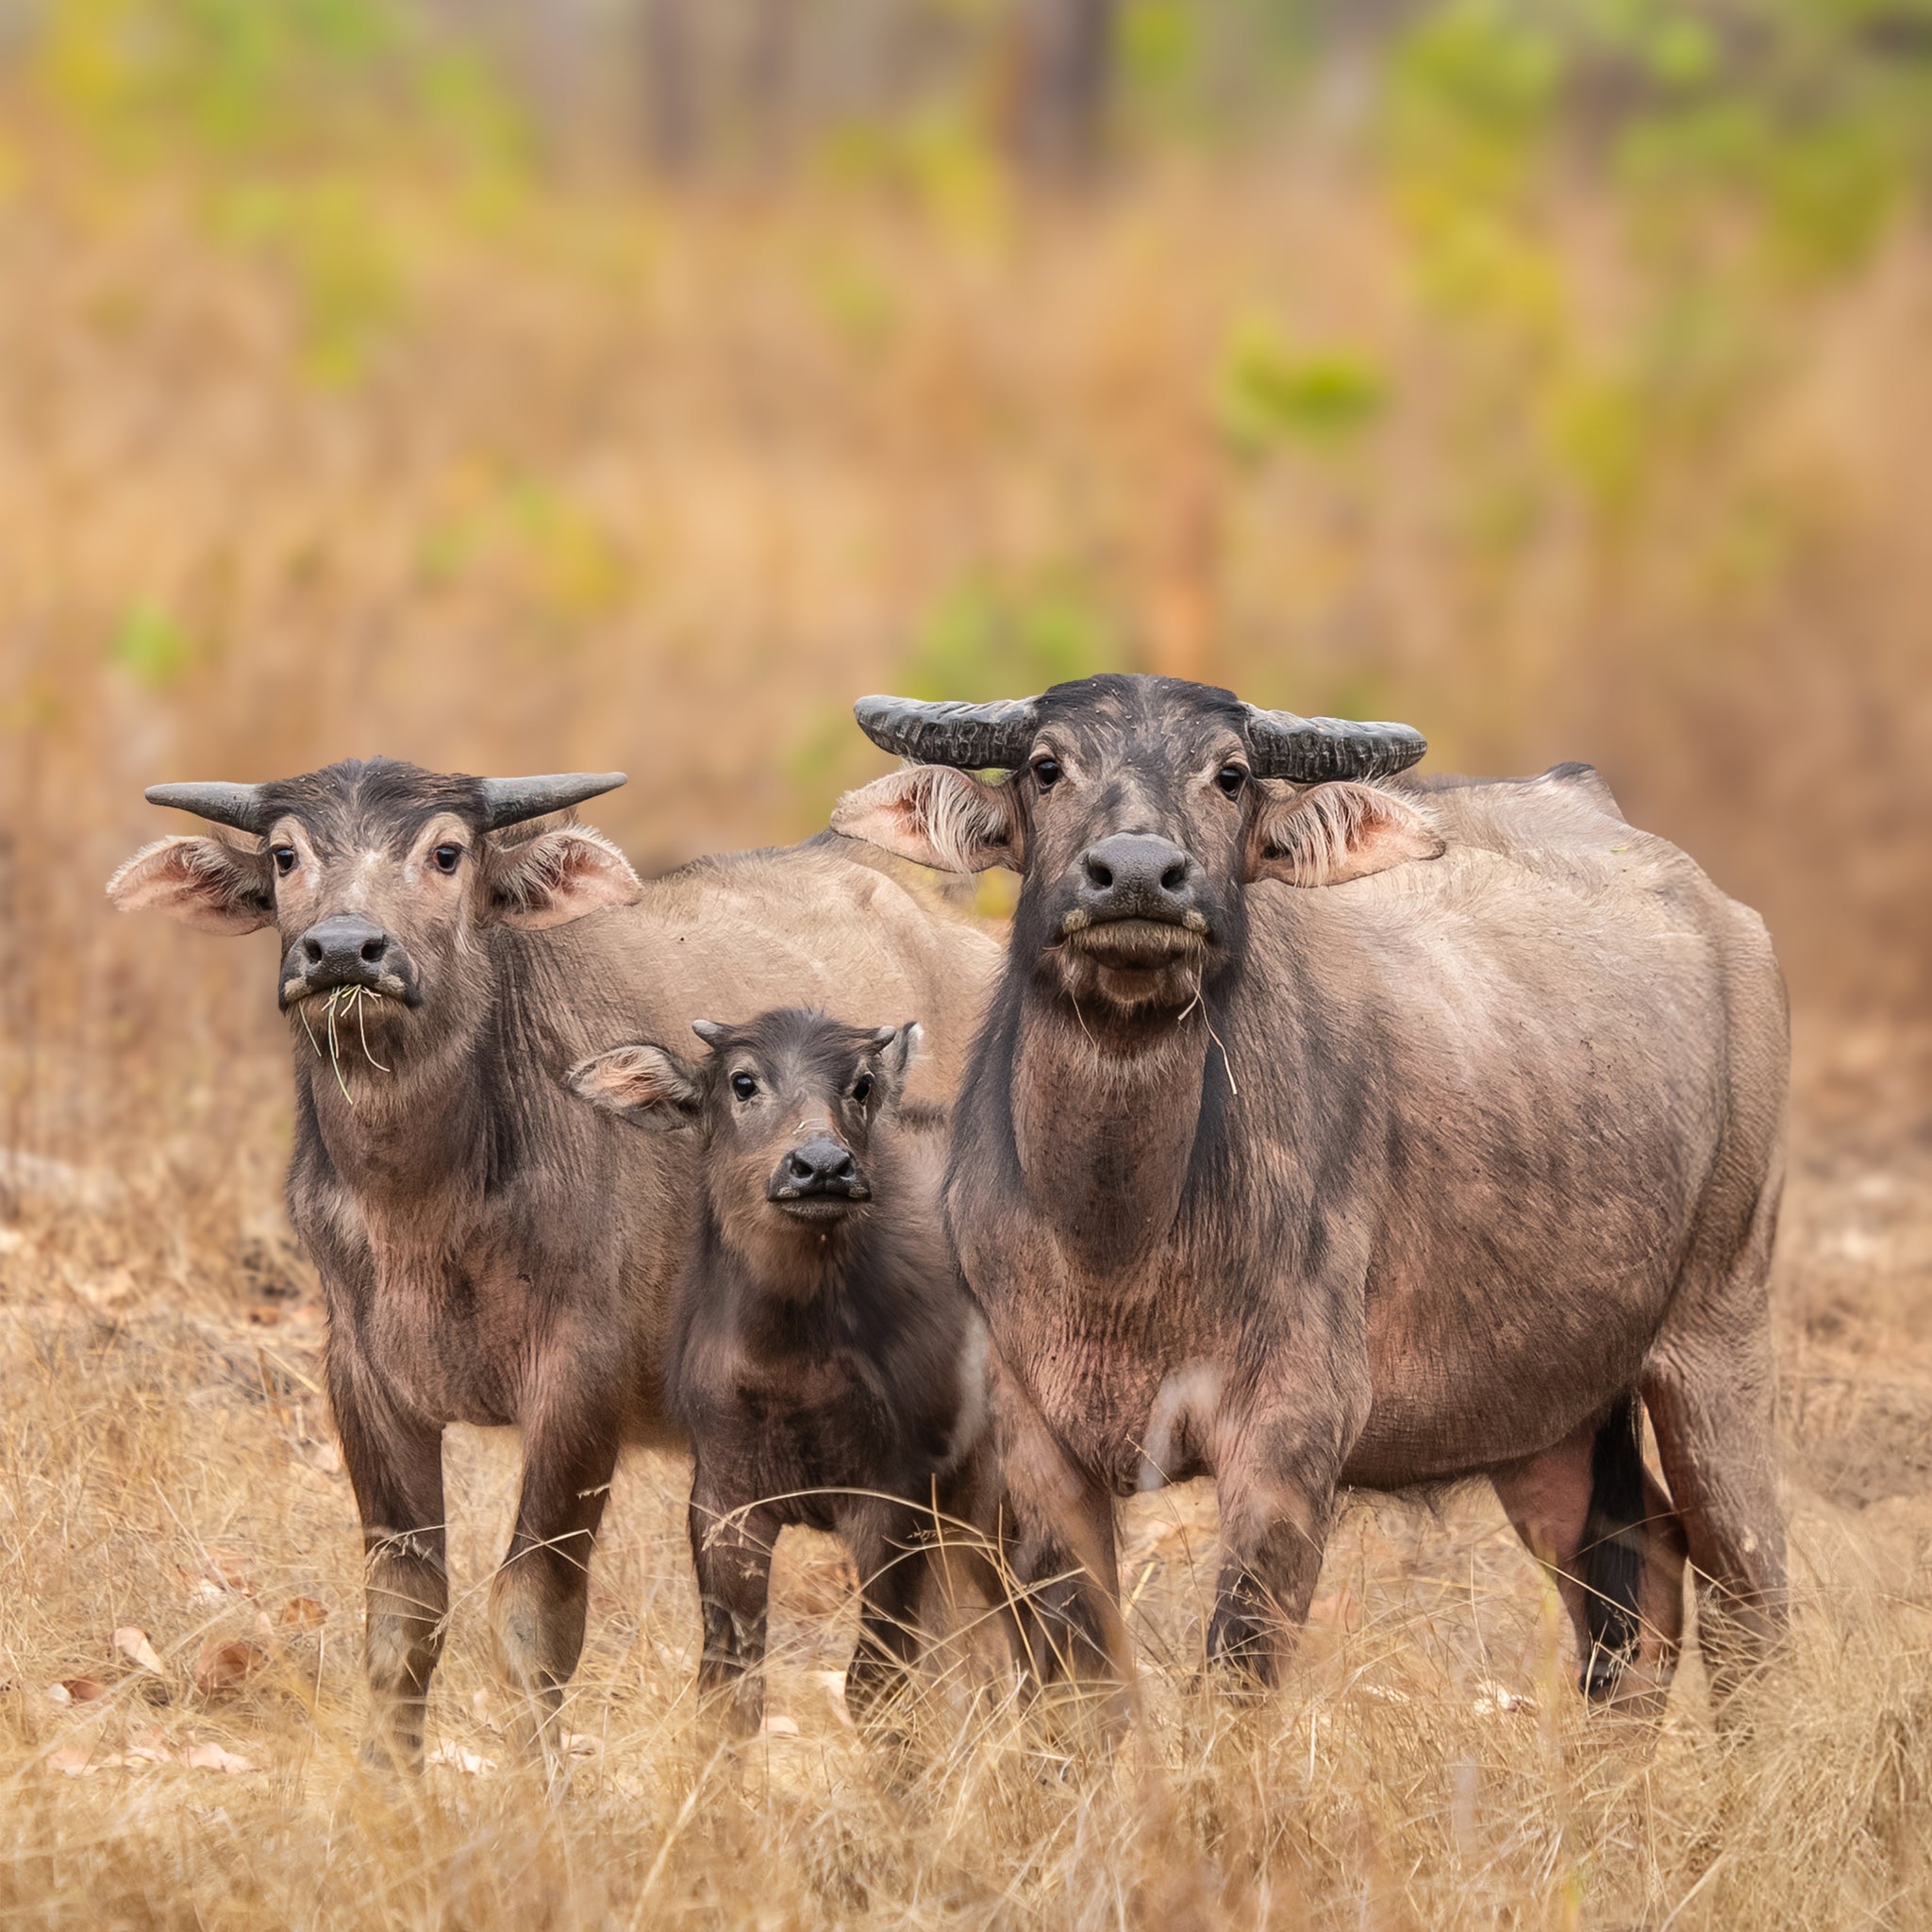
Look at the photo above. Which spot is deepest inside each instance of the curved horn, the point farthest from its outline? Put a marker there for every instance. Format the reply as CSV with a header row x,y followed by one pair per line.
x,y
1312,751
225,803
510,801
971,736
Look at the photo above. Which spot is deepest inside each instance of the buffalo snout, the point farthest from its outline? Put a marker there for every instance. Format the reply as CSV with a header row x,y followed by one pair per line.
x,y
343,950
817,1178
1137,875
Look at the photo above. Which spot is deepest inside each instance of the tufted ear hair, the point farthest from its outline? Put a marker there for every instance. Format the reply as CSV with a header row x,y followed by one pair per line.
x,y
205,883
937,816
898,1047
1332,833
642,1084
556,876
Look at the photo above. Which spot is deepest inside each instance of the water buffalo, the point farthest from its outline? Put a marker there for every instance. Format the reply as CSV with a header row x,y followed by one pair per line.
x,y
1331,1128
826,1359
491,1251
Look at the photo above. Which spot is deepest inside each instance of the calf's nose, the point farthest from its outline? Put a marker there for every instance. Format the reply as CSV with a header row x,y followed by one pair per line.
x,y
1136,875
343,950
821,1166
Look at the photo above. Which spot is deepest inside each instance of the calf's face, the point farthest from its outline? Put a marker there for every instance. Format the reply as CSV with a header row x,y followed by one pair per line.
x,y
786,1107
378,878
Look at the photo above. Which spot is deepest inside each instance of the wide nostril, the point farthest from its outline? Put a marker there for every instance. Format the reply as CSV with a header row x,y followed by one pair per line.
x,y
312,951
374,949
1098,871
1175,877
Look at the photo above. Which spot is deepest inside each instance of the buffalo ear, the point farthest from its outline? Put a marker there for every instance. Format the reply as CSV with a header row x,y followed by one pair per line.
x,y
642,1084
937,816
1332,833
898,1047
205,883
558,877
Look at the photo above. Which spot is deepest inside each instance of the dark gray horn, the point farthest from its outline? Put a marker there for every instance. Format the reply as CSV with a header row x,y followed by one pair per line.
x,y
240,806
510,801
1313,751
973,738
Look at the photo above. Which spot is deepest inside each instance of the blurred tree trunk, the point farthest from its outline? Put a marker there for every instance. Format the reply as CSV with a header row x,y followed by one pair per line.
x,y
670,84
1065,73
765,71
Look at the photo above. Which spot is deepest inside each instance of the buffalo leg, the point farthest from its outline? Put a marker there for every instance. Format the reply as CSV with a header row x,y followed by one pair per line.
x,y
1711,1411
891,1571
1547,1499
538,1596
1276,1505
731,1549
1059,1547
395,1468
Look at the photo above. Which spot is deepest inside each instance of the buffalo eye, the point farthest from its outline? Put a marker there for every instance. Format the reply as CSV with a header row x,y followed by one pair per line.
x,y
284,857
447,858
1046,773
743,1086
862,1088
1231,778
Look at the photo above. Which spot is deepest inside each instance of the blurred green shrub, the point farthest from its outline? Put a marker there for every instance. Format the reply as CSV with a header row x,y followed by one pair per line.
x,y
1268,394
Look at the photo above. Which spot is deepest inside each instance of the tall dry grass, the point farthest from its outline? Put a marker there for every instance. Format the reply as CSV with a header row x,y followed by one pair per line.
x,y
294,471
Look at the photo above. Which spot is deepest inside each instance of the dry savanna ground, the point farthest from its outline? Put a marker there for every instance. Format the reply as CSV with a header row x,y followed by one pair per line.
x,y
178,1562
294,472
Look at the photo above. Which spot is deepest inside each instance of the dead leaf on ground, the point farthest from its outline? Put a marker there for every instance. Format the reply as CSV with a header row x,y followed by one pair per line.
x,y
76,1760
214,1758
302,1613
80,1689
224,1667
131,1641
474,1762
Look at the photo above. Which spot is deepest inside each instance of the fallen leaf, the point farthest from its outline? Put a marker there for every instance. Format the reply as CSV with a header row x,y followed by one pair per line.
x,y
777,1724
213,1758
458,1759
131,1641
302,1613
232,1571
223,1667
206,1592
59,1693
82,1690
76,1760
577,1744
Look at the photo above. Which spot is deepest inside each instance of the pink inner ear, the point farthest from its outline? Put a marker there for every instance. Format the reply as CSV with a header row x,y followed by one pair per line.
x,y
205,884
562,876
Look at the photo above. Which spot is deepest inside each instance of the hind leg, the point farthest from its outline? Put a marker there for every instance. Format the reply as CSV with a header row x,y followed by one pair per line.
x,y
1709,1397
1547,1499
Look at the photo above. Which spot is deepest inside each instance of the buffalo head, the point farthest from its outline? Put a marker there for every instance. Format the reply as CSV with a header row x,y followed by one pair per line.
x,y
378,877
1136,810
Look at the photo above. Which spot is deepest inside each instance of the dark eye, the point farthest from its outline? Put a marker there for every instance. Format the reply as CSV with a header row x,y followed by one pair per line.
x,y
743,1086
447,858
1046,773
1231,778
284,857
862,1088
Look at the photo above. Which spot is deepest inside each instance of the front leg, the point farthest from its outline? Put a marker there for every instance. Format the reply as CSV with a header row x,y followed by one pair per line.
x,y
731,1545
538,1598
1059,1545
1276,1467
395,1468
892,1562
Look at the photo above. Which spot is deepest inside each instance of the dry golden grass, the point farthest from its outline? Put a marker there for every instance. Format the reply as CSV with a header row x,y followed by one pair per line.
x,y
664,486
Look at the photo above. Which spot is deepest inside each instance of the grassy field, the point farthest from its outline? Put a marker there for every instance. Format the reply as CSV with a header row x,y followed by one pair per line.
x,y
293,470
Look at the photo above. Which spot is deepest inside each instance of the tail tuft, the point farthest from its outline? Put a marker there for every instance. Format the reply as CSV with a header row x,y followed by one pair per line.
x,y
1611,1563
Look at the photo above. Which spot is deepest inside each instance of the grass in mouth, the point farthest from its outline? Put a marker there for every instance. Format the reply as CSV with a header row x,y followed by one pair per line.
x,y
344,1000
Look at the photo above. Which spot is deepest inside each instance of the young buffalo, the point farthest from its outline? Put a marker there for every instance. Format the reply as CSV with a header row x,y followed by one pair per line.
x,y
824,1354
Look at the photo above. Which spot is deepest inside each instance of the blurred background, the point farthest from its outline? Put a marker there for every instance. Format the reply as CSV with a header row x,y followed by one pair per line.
x,y
634,382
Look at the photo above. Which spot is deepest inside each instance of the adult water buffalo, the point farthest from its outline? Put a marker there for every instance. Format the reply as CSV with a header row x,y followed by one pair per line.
x,y
1331,1128
491,1251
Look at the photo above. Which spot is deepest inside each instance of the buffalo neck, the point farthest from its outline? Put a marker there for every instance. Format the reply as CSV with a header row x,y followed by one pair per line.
x,y
1106,1114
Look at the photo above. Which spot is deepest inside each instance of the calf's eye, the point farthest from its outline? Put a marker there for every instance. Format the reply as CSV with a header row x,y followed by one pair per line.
x,y
447,858
1231,778
284,857
743,1086
1046,773
862,1088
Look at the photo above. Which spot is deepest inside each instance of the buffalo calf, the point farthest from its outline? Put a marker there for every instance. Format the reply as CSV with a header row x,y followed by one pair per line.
x,y
824,1354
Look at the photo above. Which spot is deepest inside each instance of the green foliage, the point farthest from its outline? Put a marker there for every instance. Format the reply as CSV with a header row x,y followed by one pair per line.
x,y
985,641
1269,395
152,648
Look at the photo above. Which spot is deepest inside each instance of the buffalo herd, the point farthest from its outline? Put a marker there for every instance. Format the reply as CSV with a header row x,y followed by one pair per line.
x,y
1318,1125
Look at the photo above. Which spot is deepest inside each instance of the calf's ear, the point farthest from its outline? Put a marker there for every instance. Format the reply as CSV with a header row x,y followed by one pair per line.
x,y
205,883
937,816
1332,833
642,1084
898,1047
558,877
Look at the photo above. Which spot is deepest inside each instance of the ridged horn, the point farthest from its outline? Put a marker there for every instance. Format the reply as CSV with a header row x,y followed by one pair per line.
x,y
215,799
971,736
1313,751
510,801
